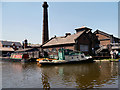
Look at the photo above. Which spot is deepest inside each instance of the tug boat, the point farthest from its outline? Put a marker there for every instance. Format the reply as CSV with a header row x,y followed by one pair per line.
x,y
66,56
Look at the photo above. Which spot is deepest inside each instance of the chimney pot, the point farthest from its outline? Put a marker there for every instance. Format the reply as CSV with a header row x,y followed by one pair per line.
x,y
67,34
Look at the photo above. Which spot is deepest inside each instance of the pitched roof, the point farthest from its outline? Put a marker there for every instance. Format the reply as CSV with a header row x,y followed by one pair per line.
x,y
6,49
63,40
83,27
10,43
104,33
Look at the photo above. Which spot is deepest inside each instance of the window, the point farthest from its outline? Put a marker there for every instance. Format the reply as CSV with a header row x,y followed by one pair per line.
x,y
82,56
83,47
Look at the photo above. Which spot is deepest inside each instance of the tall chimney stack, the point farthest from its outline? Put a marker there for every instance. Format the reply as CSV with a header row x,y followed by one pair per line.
x,y
45,35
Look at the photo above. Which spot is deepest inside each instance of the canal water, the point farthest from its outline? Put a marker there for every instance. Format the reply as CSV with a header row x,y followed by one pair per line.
x,y
98,74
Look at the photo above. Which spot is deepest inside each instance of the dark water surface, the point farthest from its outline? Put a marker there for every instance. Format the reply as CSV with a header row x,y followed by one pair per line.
x,y
84,75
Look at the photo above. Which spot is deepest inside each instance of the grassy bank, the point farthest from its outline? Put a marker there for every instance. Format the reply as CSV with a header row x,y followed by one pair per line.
x,y
108,59
112,59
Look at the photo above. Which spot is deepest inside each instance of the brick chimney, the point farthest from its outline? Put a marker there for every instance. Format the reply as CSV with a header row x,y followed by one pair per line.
x,y
67,34
45,34
25,43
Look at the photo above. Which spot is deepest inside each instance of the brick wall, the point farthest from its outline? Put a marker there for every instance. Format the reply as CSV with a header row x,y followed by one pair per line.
x,y
106,42
102,39
102,36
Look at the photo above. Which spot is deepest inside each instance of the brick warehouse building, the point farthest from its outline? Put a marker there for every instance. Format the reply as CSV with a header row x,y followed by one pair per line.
x,y
107,43
105,38
83,40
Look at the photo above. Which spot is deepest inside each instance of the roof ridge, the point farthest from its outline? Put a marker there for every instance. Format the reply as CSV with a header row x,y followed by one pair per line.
x,y
102,32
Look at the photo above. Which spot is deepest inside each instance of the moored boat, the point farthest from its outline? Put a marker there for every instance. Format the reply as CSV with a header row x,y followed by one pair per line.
x,y
19,57
66,56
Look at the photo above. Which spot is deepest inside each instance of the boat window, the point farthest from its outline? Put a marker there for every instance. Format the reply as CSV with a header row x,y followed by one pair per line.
x,y
53,56
73,53
66,52
82,56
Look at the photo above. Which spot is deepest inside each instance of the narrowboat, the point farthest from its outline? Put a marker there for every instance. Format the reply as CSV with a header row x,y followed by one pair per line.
x,y
66,56
19,57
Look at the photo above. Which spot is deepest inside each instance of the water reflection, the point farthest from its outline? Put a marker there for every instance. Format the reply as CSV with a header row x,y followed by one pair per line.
x,y
20,75
88,75
85,75
45,81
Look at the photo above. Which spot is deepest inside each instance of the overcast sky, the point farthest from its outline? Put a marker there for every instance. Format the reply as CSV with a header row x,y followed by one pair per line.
x,y
23,20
